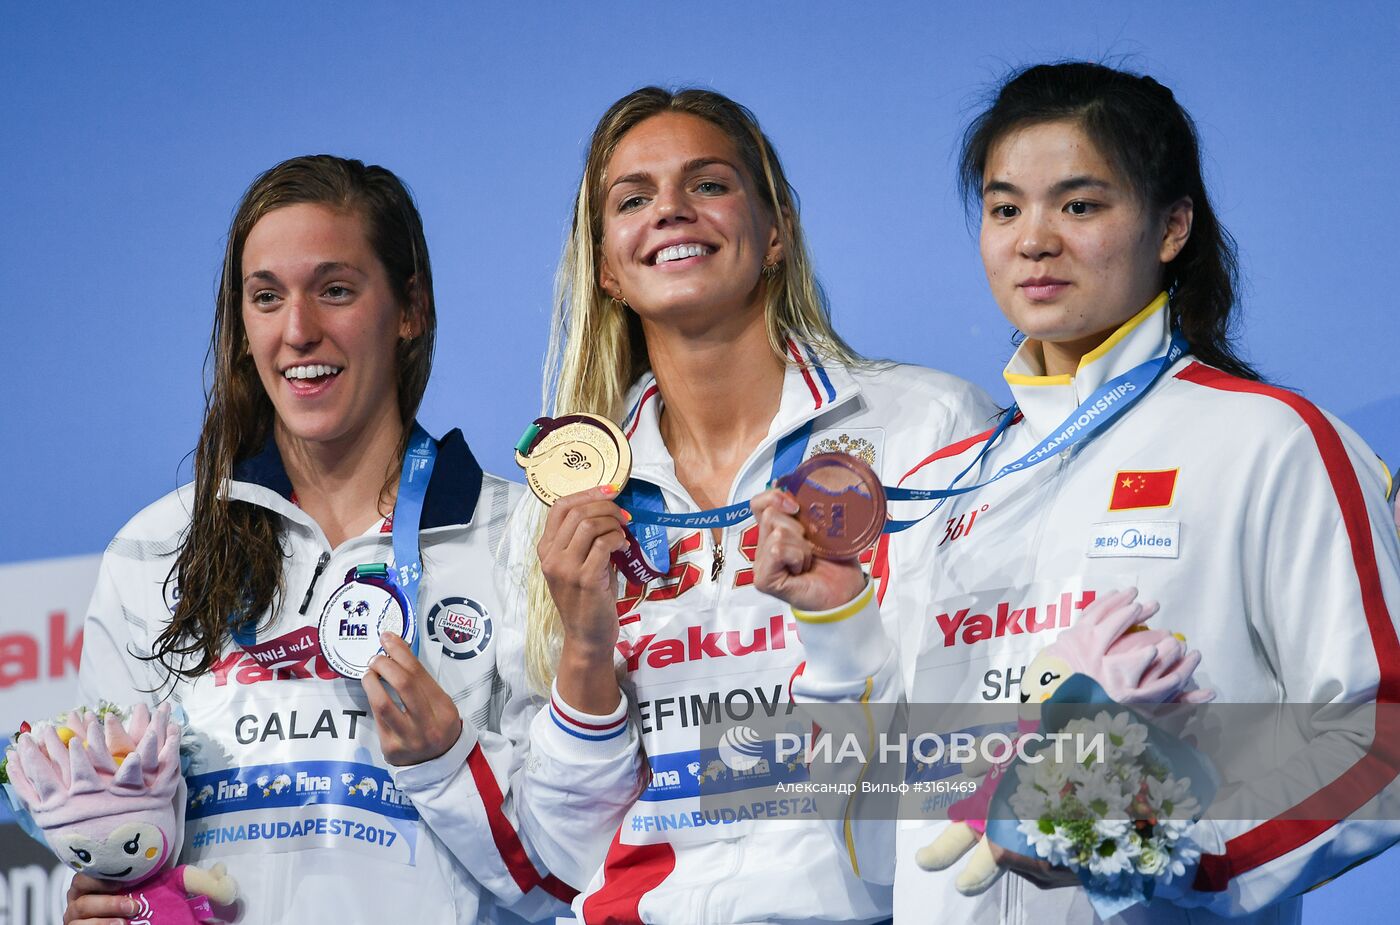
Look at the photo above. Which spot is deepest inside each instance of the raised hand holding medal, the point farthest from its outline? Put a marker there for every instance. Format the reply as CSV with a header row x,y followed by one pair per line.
x,y
840,504
576,464
813,526
567,455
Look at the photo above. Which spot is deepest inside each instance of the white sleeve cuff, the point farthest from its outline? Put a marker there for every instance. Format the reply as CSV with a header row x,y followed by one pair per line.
x,y
846,642
572,734
414,778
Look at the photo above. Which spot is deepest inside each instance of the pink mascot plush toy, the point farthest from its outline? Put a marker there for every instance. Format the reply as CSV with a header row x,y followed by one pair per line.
x,y
1131,662
110,801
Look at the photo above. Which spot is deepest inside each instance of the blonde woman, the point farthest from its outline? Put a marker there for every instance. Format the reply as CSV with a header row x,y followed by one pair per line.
x,y
688,313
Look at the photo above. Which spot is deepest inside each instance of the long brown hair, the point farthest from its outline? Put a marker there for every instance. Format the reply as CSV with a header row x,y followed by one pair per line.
x,y
230,564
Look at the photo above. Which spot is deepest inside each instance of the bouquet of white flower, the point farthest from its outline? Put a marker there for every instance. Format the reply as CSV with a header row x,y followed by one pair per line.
x,y
1119,818
1107,657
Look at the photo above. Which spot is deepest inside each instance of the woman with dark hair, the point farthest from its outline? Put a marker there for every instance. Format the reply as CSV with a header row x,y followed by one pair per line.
x,y
689,314
1140,451
321,514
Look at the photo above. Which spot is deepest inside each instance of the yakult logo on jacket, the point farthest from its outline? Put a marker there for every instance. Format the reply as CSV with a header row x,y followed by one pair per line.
x,y
293,656
1007,618
697,644
243,669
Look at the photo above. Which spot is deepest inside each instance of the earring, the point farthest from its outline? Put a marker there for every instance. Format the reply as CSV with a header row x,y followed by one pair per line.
x,y
770,269
619,301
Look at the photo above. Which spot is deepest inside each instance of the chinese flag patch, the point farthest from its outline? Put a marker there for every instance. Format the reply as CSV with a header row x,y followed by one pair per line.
x,y
1133,489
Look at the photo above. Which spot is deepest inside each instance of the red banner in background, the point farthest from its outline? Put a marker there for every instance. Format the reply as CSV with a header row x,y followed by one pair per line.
x,y
41,639
41,636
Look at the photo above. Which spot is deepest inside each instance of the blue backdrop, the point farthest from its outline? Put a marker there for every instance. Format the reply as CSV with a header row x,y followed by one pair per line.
x,y
128,132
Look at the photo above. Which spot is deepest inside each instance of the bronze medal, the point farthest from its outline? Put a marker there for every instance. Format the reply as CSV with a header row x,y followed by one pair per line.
x,y
572,453
841,504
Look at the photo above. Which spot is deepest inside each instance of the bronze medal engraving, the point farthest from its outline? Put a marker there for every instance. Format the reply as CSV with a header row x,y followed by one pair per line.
x,y
841,501
568,454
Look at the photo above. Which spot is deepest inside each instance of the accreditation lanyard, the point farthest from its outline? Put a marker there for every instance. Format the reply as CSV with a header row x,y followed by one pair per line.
x,y
1091,417
407,572
650,518
645,503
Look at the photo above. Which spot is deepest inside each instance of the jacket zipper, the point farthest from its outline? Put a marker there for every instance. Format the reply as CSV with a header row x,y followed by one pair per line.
x,y
1055,482
321,564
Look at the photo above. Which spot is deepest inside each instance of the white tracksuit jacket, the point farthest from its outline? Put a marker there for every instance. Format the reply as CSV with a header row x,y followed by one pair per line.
x,y
287,785
1256,520
703,641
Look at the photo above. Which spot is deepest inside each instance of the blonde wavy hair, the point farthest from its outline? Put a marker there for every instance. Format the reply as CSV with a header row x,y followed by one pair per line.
x,y
596,346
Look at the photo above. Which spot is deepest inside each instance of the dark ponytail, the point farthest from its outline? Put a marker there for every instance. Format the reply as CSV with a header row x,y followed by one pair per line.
x,y
1139,127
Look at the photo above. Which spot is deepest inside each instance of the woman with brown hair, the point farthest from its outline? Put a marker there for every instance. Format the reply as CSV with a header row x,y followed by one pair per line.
x,y
324,536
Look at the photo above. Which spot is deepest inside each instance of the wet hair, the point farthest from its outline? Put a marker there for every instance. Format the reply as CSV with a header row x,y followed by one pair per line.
x,y
1139,128
230,564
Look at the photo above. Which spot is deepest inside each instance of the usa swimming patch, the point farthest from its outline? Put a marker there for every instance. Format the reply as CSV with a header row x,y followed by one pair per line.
x,y
461,626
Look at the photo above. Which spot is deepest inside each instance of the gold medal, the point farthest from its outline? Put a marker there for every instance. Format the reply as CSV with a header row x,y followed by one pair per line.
x,y
572,453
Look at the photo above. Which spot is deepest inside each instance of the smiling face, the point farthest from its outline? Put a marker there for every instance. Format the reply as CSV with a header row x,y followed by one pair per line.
x,y
1071,251
685,232
322,323
1042,677
127,853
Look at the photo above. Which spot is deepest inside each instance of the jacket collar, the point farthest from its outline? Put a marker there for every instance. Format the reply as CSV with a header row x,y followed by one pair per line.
x,y
810,389
1045,401
451,499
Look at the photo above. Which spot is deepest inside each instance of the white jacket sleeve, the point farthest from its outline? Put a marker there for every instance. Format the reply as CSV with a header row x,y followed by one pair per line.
x,y
581,772
851,689
852,657
546,801
466,799
116,640
1323,573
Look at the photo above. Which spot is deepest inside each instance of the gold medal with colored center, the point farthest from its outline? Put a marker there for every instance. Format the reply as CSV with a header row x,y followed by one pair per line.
x,y
572,453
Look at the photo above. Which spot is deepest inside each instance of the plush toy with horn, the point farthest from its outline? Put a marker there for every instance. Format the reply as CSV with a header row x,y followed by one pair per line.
x,y
109,799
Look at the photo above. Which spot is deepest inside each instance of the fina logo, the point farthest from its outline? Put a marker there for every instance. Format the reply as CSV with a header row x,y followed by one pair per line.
x,y
740,748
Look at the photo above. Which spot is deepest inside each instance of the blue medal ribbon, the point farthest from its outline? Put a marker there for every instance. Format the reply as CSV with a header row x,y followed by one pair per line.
x,y
418,460
1092,416
645,503
407,573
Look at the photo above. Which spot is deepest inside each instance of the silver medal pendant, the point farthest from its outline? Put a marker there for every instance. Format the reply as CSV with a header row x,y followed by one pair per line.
x,y
369,603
